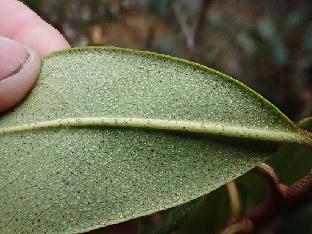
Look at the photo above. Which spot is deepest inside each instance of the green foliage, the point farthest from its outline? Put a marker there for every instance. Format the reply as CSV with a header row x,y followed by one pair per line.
x,y
110,134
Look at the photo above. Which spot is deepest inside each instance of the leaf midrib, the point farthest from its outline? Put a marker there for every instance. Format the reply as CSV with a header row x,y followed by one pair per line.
x,y
219,129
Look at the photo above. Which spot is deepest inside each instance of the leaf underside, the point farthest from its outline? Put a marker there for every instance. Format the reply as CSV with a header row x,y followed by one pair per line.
x,y
61,173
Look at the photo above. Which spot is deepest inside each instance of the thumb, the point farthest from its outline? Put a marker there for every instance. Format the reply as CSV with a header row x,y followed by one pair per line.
x,y
19,69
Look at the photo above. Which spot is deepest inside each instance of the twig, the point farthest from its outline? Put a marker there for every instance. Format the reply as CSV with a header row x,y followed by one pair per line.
x,y
300,188
268,172
191,34
187,31
292,197
234,200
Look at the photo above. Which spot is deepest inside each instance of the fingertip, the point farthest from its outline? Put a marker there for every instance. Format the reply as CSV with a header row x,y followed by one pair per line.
x,y
42,37
20,23
16,86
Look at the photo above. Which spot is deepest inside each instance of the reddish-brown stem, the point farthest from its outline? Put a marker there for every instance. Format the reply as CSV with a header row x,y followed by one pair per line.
x,y
288,199
269,174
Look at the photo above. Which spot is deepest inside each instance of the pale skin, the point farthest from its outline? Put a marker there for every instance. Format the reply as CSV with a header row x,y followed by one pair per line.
x,y
19,23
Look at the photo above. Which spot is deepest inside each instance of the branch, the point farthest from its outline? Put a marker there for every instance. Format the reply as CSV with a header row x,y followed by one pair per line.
x,y
191,34
290,198
268,172
187,31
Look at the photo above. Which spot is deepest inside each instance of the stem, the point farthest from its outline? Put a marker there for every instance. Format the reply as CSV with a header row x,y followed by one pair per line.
x,y
235,204
268,172
291,198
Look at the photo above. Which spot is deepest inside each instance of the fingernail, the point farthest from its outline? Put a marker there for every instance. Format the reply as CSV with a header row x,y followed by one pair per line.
x,y
12,57
19,70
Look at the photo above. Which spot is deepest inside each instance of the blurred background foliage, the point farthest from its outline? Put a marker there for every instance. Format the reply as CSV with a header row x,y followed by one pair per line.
x,y
266,44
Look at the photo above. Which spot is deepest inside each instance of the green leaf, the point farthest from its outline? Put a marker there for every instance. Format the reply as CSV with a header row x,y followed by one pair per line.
x,y
110,134
171,220
211,214
306,123
292,162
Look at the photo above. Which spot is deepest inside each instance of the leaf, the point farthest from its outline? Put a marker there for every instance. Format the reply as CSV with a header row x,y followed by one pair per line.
x,y
292,162
171,220
110,134
211,215
306,123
